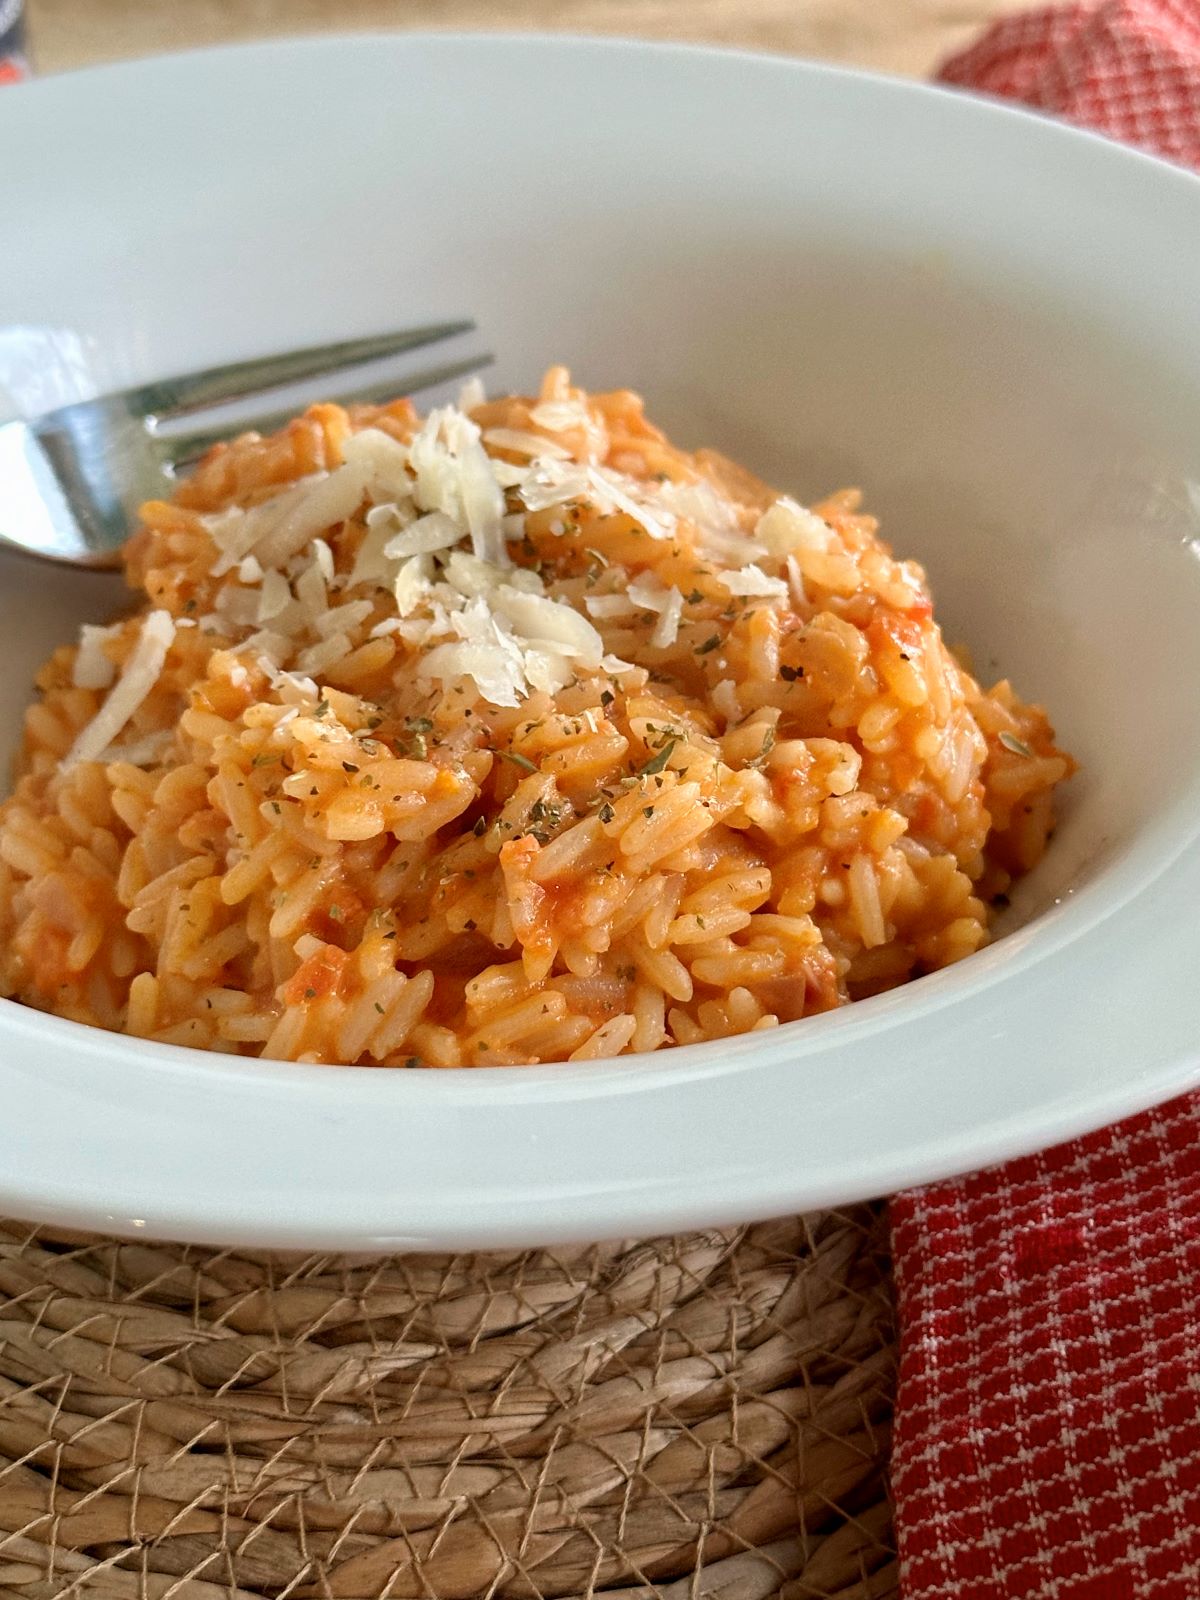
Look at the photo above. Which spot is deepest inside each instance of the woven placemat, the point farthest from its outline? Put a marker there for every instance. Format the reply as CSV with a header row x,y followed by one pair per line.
x,y
698,1415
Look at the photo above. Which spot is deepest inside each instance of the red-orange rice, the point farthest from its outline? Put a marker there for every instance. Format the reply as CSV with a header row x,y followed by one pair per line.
x,y
760,805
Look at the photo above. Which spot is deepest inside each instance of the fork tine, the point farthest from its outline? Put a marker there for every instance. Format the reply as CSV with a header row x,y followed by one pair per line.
x,y
182,449
192,391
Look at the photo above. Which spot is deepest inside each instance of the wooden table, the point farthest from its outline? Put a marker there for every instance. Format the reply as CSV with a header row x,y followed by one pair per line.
x,y
906,36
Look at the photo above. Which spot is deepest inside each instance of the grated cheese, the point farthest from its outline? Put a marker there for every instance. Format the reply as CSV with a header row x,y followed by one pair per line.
x,y
609,605
508,475
382,460
324,558
434,559
525,444
238,607
266,642
560,416
137,679
453,474
472,394
275,593
666,629
93,669
796,582
754,581
329,502
650,594
144,752
411,586
236,531
344,618
724,697
434,531
311,593
615,488
786,527
544,621
318,658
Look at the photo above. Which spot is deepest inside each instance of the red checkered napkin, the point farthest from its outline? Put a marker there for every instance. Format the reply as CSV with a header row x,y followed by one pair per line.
x,y
1130,68
1048,1417
1048,1428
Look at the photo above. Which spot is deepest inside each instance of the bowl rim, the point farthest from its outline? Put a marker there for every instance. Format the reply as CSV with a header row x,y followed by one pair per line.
x,y
315,41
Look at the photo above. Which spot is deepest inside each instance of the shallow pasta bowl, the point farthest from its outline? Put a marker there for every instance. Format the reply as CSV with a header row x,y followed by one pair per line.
x,y
988,321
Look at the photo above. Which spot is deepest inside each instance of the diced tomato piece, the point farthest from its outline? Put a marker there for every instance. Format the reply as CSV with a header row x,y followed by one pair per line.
x,y
330,921
320,975
48,960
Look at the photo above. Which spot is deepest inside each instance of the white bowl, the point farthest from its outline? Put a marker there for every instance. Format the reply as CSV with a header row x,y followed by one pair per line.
x,y
989,321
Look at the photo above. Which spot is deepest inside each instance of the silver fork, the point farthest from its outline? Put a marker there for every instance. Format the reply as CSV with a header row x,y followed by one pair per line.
x,y
71,479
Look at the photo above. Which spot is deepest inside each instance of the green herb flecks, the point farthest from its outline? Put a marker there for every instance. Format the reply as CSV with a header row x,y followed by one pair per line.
x,y
657,762
768,745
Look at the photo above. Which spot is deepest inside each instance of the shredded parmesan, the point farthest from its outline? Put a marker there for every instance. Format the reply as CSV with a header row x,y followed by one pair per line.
x,y
433,558
93,669
235,532
311,594
508,475
472,394
560,416
291,687
144,752
266,642
724,697
274,595
318,658
344,618
616,668
650,594
324,558
454,475
754,581
434,531
329,502
551,482
410,587
609,605
238,608
616,490
382,460
525,444
545,621
796,583
786,527
666,629
137,679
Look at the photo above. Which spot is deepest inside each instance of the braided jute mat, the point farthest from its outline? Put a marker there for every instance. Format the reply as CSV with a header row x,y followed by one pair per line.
x,y
702,1415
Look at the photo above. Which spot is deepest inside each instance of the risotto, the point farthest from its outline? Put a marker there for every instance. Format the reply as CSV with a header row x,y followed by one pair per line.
x,y
514,734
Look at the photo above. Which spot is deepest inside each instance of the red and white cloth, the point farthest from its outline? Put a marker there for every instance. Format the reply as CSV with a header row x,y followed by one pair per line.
x,y
1048,1414
1048,1418
1130,68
